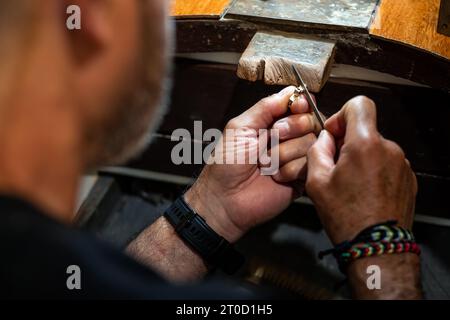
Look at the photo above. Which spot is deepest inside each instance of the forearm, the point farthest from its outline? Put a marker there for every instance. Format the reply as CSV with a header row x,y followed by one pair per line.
x,y
161,249
400,277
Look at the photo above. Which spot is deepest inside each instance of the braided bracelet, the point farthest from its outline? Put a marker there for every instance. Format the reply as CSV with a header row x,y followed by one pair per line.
x,y
363,250
383,238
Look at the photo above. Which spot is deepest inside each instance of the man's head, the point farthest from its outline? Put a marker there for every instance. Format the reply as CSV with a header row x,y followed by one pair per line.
x,y
110,74
124,51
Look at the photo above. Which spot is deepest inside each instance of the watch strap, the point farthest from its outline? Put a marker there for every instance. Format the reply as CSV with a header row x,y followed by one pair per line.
x,y
194,231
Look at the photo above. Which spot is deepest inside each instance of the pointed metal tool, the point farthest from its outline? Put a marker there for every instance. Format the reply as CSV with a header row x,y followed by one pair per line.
x,y
309,98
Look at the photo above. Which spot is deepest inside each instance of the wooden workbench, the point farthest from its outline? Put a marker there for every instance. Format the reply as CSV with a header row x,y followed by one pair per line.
x,y
184,9
398,37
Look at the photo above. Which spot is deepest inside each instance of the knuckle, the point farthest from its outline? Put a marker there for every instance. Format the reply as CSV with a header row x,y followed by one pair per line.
x,y
265,102
305,122
367,144
371,139
233,124
285,174
360,105
396,153
310,139
289,172
360,102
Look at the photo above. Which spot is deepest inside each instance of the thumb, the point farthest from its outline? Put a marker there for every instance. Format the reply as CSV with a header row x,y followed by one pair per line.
x,y
321,159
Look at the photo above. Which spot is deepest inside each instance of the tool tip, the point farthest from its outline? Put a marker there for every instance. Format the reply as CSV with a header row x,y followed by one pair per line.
x,y
298,76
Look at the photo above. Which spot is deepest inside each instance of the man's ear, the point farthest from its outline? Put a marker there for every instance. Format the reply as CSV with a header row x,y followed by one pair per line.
x,y
103,53
89,27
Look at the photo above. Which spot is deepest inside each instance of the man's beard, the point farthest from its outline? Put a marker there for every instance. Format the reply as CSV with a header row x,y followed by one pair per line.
x,y
138,113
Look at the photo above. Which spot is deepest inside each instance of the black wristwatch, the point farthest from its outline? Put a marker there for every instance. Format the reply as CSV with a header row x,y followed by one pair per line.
x,y
194,231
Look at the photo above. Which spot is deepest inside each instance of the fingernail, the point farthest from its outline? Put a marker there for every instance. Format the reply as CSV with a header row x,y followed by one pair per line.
x,y
322,134
285,91
282,127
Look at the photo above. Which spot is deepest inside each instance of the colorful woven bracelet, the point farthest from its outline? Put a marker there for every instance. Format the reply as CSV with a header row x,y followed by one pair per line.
x,y
383,238
363,250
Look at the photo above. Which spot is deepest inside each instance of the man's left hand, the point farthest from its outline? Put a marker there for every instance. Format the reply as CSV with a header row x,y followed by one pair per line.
x,y
233,198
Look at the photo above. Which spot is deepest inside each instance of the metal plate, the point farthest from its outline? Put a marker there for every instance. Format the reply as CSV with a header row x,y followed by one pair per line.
x,y
444,18
341,13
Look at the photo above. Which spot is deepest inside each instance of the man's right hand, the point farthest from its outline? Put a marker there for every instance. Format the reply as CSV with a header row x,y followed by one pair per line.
x,y
356,179
371,181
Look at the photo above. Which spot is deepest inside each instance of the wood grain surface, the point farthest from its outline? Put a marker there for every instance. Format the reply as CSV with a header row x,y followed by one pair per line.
x,y
199,8
336,14
412,22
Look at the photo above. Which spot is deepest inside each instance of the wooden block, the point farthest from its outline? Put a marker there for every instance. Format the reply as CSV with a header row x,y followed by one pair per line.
x,y
412,22
332,13
199,8
270,57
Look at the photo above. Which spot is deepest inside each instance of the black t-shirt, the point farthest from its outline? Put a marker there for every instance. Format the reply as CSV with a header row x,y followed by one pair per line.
x,y
36,251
